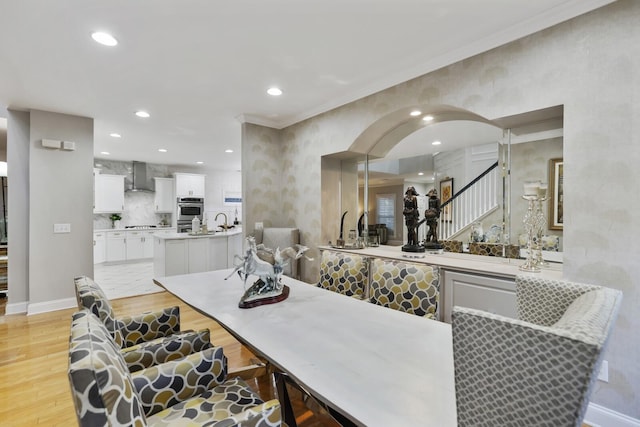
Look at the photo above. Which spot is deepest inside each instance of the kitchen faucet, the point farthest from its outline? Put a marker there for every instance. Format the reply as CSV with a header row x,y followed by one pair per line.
x,y
225,226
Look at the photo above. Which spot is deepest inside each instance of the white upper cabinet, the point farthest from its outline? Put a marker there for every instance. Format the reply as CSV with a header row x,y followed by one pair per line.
x,y
109,193
165,201
189,185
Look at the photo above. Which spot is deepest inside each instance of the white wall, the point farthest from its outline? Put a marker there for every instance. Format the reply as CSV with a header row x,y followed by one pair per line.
x,y
48,187
18,208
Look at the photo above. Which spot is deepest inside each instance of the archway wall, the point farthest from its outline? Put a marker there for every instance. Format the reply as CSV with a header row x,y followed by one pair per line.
x,y
590,65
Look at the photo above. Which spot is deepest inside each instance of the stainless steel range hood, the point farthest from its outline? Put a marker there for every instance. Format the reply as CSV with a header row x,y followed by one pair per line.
x,y
140,181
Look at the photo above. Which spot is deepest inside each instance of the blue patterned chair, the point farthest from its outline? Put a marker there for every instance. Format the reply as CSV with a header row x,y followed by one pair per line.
x,y
146,339
412,288
539,369
190,391
343,273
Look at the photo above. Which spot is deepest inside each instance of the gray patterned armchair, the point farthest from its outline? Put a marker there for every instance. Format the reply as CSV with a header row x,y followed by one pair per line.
x,y
280,237
539,369
146,339
190,391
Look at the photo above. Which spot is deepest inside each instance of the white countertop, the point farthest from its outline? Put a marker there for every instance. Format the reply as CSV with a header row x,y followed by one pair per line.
x,y
496,266
378,366
217,234
158,228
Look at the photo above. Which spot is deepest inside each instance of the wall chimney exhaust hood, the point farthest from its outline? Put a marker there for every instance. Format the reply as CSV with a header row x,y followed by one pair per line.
x,y
140,181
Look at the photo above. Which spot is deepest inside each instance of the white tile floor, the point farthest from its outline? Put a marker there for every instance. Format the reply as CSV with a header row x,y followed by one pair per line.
x,y
126,280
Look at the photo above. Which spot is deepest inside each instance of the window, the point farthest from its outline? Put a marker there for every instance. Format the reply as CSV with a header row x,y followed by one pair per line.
x,y
386,211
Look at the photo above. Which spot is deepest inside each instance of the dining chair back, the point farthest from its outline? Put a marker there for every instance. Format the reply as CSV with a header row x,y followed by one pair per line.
x,y
408,287
343,273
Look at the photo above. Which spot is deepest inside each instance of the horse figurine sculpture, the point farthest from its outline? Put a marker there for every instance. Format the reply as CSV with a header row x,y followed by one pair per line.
x,y
268,265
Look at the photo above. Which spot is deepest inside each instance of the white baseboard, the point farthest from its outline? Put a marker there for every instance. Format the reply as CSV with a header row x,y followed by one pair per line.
x,y
16,308
599,416
46,306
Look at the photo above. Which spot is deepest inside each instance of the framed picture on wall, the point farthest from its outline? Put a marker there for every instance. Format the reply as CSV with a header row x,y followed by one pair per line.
x,y
556,194
232,198
446,192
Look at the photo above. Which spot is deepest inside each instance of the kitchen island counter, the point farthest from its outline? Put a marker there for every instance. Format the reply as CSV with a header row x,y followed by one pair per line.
x,y
217,234
184,253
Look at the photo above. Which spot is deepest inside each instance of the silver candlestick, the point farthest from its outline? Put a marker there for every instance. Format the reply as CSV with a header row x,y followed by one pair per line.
x,y
530,221
540,222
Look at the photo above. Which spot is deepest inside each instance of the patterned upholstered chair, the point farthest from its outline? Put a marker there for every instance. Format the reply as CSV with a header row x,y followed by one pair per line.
x,y
146,339
538,369
276,237
412,288
343,273
190,391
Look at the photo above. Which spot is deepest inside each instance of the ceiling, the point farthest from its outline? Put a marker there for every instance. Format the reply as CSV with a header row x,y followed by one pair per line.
x,y
203,67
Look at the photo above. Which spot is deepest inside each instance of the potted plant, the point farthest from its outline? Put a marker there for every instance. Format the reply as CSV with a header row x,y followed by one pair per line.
x,y
115,220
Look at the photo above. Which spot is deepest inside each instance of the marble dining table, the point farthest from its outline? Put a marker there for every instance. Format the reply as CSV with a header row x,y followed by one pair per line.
x,y
374,366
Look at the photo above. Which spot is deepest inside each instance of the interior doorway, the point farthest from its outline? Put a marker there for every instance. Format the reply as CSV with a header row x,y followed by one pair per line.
x,y
4,240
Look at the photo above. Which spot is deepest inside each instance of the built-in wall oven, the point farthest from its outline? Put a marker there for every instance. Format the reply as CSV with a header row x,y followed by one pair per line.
x,y
188,209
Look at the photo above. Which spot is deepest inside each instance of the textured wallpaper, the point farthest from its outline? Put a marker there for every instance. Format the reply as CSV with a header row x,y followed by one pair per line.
x,y
591,66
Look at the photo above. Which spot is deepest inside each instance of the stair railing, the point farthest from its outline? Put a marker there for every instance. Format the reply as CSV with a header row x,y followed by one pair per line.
x,y
471,203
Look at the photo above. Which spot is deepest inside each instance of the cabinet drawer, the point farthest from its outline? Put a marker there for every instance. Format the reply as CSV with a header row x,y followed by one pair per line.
x,y
493,294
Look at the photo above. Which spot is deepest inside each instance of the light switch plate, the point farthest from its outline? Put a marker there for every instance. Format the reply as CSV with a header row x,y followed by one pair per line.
x,y
68,145
62,228
51,143
603,375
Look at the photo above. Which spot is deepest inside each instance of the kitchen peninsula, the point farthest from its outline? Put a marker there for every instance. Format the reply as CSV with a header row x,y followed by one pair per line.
x,y
183,253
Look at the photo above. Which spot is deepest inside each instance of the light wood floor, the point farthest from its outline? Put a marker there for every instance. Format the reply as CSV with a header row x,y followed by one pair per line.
x,y
34,388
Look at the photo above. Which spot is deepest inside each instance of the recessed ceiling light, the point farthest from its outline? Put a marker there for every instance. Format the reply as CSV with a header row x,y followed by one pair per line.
x,y
104,38
162,150
415,113
115,135
420,173
274,91
427,118
436,143
142,114
200,163
228,150
106,153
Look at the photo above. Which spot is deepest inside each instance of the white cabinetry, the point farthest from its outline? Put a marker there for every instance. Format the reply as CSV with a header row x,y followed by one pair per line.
x,y
219,255
135,244
176,254
234,247
140,244
147,244
180,256
189,185
116,246
493,294
99,247
165,201
109,193
198,255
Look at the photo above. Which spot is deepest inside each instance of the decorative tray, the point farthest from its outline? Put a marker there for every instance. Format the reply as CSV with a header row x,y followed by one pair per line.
x,y
347,247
